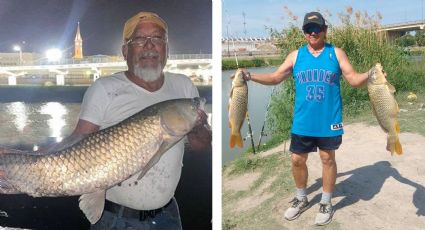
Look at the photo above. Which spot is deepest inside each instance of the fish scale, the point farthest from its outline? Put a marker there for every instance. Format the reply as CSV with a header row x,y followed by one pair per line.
x,y
101,160
238,106
385,107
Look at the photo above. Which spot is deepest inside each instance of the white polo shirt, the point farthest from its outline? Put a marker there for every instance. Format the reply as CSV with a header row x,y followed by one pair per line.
x,y
112,99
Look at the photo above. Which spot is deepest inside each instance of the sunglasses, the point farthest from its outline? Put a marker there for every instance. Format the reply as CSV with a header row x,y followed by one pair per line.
x,y
141,41
316,29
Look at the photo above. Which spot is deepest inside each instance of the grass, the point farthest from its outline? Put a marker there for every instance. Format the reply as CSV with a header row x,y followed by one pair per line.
x,y
230,63
276,167
411,118
364,47
274,170
273,166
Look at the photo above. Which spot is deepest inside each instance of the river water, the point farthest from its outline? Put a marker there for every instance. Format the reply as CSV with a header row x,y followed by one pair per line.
x,y
34,116
258,99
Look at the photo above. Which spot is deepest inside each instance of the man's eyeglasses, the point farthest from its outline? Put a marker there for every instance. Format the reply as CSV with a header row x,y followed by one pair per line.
x,y
141,41
316,29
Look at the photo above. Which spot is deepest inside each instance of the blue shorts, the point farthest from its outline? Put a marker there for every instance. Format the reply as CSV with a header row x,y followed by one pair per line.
x,y
306,144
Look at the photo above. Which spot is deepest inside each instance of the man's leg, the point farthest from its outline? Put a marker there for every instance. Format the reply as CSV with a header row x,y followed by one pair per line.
x,y
329,170
299,169
300,174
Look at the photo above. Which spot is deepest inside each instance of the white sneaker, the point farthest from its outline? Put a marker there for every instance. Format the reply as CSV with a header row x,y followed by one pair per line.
x,y
298,207
325,214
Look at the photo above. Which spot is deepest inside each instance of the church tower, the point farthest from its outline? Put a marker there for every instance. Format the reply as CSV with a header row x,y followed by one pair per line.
x,y
78,44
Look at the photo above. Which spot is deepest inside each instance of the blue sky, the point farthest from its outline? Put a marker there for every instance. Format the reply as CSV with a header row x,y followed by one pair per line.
x,y
272,13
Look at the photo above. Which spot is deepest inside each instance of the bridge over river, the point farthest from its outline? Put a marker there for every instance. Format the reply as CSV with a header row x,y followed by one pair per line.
x,y
67,72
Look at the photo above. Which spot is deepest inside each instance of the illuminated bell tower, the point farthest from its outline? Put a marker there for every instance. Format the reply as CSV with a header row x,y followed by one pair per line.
x,y
78,44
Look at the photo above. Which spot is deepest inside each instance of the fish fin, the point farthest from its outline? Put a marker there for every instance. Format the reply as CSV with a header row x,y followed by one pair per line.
x,y
390,87
397,126
231,94
390,146
398,148
236,139
92,205
162,149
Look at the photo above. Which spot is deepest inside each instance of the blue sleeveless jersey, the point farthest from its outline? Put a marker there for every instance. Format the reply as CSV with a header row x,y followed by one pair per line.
x,y
318,104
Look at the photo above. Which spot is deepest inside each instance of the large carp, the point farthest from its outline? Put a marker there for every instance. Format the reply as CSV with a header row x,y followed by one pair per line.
x,y
385,107
238,106
102,159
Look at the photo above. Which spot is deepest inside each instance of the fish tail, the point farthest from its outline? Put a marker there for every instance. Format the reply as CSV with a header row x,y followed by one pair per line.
x,y
236,139
393,145
398,148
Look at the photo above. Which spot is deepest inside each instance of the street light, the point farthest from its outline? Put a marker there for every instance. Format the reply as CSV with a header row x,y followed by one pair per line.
x,y
53,55
18,49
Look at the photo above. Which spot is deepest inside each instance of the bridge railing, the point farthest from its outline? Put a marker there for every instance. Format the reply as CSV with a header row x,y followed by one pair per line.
x,y
101,59
402,24
189,56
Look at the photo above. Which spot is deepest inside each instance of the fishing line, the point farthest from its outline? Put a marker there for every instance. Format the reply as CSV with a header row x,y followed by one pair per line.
x,y
265,118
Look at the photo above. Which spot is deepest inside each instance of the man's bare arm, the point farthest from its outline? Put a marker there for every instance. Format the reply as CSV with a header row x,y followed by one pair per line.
x,y
200,137
282,73
353,78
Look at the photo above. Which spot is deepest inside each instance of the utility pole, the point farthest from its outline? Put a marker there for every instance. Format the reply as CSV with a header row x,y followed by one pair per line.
x,y
244,23
228,38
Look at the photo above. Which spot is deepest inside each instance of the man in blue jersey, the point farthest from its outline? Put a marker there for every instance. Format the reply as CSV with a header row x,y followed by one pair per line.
x,y
316,68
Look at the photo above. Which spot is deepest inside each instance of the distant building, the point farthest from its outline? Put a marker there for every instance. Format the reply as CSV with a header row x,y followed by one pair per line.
x,y
78,44
248,46
13,59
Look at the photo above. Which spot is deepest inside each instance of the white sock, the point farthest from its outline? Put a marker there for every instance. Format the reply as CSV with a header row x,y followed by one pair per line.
x,y
326,198
301,193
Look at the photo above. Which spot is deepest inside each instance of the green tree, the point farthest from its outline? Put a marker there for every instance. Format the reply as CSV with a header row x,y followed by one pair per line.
x,y
407,40
420,38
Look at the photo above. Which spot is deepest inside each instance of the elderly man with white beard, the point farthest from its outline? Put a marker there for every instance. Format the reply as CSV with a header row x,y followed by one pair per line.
x,y
147,203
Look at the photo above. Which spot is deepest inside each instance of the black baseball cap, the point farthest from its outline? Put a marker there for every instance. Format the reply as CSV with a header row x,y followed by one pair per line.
x,y
314,18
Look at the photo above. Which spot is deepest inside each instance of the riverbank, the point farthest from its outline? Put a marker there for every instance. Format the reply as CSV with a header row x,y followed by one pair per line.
x,y
229,63
374,190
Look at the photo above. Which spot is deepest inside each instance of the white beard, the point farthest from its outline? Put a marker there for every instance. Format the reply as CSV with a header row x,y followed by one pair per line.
x,y
148,74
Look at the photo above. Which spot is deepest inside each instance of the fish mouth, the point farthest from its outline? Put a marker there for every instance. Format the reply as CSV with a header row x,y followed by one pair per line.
x,y
199,103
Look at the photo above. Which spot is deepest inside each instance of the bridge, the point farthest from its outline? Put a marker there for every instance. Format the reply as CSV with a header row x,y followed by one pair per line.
x,y
396,30
197,66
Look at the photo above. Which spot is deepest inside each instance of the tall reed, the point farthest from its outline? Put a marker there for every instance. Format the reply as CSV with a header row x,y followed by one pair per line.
x,y
364,46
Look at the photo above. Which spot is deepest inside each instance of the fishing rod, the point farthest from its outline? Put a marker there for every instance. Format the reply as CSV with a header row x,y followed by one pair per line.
x,y
265,118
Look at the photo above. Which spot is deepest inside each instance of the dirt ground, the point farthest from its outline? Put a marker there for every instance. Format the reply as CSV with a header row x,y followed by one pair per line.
x,y
374,190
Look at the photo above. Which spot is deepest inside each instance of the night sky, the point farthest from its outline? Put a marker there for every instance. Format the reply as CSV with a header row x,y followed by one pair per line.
x,y
37,25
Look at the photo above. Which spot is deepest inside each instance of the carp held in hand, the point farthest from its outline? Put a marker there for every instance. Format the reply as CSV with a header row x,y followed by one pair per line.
x,y
102,159
238,106
384,107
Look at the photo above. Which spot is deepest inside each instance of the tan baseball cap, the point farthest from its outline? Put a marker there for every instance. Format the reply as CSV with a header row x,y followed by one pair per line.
x,y
131,23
